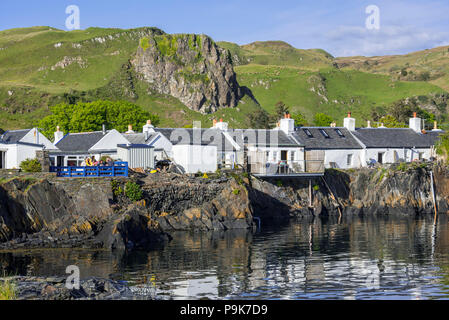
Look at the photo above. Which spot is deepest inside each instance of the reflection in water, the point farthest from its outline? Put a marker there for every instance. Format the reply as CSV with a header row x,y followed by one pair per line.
x,y
359,258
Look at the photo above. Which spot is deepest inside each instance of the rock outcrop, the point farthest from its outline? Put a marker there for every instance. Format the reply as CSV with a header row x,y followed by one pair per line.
x,y
45,211
191,68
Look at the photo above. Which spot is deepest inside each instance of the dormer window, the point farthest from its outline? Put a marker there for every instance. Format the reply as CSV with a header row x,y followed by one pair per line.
x,y
341,135
308,133
324,133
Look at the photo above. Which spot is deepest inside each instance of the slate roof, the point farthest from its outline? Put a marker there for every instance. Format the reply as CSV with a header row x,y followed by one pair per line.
x,y
334,140
186,136
13,136
79,142
395,138
138,138
263,138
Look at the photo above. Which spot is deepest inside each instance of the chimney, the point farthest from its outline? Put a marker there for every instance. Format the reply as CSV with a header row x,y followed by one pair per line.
x,y
222,125
214,123
130,129
148,128
287,124
415,123
382,125
58,134
333,125
435,126
349,122
368,124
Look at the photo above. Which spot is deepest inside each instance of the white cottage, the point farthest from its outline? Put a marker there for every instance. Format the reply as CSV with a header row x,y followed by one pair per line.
x,y
393,145
19,145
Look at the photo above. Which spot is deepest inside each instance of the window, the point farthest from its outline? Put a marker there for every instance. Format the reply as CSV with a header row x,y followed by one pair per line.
x,y
349,160
324,133
308,133
292,155
421,155
340,134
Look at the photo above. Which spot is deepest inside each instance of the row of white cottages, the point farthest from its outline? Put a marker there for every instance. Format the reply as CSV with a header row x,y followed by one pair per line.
x,y
285,149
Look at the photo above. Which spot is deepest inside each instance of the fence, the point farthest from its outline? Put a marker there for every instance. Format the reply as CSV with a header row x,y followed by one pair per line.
x,y
119,169
287,167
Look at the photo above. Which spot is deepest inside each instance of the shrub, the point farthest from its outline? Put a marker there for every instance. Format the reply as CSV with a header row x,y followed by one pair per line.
x,y
7,290
31,165
279,183
116,188
316,187
236,191
133,191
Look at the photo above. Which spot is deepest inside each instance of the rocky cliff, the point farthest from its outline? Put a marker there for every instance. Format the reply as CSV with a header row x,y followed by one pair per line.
x,y
44,211
191,68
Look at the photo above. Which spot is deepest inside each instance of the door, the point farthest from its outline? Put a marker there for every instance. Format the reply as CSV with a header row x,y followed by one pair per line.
x,y
59,161
2,159
380,157
283,155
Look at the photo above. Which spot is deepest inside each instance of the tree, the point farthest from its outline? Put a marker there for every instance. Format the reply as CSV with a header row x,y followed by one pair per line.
x,y
391,122
259,119
300,120
280,110
442,146
322,120
84,117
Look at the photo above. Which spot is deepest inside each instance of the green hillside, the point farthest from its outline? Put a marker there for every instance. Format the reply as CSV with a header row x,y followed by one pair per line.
x,y
43,66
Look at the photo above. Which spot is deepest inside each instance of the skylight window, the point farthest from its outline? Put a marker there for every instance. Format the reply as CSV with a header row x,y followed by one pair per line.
x,y
308,133
339,133
324,133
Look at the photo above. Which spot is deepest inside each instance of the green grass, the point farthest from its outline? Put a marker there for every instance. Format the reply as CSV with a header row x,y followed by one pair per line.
x,y
306,80
8,290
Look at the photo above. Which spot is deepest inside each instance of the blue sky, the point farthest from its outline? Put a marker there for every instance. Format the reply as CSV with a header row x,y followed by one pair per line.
x,y
337,26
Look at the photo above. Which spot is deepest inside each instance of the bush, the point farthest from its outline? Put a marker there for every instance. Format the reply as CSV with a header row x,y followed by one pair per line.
x,y
7,290
133,191
236,191
31,165
116,188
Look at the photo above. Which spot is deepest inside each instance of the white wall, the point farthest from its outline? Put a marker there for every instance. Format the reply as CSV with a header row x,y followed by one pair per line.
x,y
39,139
393,155
109,141
274,154
340,158
161,142
16,153
194,158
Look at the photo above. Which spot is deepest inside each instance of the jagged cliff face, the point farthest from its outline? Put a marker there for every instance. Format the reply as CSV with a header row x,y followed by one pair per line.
x,y
191,68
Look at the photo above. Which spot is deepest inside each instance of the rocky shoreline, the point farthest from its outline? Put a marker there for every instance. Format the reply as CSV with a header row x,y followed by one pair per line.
x,y
54,288
42,211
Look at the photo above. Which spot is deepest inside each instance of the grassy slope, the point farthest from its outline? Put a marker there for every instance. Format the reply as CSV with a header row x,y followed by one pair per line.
x,y
273,70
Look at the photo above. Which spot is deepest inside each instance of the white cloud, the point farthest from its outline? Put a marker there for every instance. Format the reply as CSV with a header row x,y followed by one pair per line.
x,y
348,40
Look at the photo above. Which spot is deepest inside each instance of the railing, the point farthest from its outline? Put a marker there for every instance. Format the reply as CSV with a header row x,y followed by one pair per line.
x,y
119,169
288,167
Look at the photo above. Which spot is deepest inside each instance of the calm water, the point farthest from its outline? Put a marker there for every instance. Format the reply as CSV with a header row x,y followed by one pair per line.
x,y
370,258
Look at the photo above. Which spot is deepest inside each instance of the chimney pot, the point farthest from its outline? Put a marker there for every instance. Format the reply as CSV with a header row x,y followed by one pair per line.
x,y
221,119
368,124
414,114
349,114
149,122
